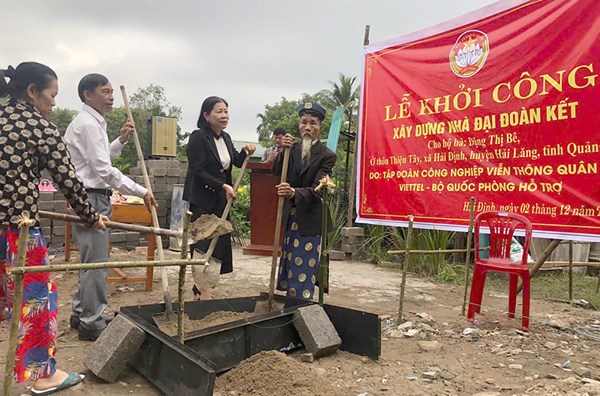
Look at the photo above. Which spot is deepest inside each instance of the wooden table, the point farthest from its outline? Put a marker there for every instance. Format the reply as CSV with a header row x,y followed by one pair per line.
x,y
124,213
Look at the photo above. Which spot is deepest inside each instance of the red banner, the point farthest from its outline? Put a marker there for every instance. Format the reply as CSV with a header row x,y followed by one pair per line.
x,y
502,105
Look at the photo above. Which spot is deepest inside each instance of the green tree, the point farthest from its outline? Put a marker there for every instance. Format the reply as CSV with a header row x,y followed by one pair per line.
x,y
62,117
343,93
145,103
284,114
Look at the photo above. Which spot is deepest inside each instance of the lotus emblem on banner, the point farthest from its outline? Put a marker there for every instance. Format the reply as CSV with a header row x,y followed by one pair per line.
x,y
469,53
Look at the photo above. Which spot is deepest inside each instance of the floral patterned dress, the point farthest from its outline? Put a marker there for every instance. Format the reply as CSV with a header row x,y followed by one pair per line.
x,y
28,144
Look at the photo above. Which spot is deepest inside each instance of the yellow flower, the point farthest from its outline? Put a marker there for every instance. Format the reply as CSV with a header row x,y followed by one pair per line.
x,y
241,190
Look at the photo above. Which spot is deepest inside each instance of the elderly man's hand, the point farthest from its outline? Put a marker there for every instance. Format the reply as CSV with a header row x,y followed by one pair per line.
x,y
287,141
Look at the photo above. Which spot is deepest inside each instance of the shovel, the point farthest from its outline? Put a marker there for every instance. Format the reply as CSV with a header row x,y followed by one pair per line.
x,y
207,275
167,319
262,307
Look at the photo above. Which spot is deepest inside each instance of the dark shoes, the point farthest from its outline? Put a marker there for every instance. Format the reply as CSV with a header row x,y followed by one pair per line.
x,y
88,335
74,321
84,334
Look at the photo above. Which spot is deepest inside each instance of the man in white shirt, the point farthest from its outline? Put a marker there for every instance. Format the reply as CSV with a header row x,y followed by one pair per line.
x,y
87,142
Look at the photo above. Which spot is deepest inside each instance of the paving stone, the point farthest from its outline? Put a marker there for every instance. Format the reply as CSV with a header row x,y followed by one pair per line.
x,y
109,354
316,330
353,231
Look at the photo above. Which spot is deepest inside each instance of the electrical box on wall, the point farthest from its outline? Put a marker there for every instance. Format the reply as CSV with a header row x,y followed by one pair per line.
x,y
162,137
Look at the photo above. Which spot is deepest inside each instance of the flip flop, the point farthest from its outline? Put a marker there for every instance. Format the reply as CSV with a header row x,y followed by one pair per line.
x,y
71,380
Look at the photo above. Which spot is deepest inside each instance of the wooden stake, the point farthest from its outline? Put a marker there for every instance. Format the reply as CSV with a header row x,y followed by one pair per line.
x,y
570,270
468,257
17,301
405,268
324,259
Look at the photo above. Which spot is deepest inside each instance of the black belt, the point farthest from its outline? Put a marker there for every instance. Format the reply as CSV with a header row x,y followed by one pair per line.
x,y
103,191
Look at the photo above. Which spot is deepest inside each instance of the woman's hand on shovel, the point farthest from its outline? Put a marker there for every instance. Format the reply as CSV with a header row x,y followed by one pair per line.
x,y
229,193
149,201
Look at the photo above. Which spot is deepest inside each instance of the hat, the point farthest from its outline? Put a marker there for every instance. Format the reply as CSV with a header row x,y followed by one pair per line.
x,y
313,109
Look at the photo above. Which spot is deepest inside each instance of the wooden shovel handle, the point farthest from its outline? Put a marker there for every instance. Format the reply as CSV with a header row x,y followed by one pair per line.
x,y
284,171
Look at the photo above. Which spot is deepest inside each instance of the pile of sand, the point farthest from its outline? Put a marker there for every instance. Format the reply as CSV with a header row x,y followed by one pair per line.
x,y
272,373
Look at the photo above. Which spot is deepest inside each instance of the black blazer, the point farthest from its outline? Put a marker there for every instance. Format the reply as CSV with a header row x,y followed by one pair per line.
x,y
205,174
309,210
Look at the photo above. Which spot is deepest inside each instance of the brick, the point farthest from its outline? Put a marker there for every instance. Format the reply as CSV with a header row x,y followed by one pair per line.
x,y
109,354
173,172
157,171
46,196
58,231
118,237
316,330
336,255
346,248
156,164
182,173
47,206
358,256
159,188
60,206
353,231
135,171
354,240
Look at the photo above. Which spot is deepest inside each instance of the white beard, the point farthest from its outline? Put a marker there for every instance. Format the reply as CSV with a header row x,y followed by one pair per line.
x,y
306,145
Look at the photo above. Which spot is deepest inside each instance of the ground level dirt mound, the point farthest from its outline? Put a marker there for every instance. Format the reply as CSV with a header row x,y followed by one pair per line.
x,y
273,373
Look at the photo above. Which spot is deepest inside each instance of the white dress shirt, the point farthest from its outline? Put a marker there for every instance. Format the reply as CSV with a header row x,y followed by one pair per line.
x,y
223,152
87,142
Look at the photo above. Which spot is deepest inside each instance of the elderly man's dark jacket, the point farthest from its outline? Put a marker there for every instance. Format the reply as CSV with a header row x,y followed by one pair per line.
x,y
205,174
304,179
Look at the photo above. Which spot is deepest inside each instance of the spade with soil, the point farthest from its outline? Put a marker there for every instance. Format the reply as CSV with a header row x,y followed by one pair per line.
x,y
207,275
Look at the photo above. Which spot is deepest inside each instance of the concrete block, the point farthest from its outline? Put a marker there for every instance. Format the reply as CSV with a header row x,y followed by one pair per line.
x,y
353,231
173,172
354,240
157,163
118,237
58,231
159,188
157,171
60,206
316,330
46,196
346,248
135,171
182,173
109,354
336,255
358,256
173,164
46,205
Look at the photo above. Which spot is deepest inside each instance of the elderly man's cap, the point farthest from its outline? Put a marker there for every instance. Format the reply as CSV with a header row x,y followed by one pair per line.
x,y
313,109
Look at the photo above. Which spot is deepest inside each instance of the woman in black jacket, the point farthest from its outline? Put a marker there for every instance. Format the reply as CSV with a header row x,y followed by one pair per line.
x,y
211,154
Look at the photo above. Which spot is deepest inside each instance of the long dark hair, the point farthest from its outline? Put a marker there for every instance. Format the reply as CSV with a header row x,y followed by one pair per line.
x,y
26,73
207,106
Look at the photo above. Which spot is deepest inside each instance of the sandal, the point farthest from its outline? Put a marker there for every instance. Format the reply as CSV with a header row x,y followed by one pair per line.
x,y
71,380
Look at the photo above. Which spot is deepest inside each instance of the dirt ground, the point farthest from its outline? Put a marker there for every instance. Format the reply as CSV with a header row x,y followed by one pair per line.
x,y
438,353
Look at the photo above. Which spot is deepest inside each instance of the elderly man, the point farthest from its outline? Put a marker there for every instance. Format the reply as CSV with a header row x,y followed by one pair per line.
x,y
87,142
310,160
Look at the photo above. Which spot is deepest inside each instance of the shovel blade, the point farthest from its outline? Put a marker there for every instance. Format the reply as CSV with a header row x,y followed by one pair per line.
x,y
166,322
268,306
206,275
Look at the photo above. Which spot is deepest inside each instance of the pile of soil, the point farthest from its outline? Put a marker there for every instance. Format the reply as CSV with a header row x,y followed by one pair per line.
x,y
210,320
271,373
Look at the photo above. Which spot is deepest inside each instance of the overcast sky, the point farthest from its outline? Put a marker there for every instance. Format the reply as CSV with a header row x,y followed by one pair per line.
x,y
249,52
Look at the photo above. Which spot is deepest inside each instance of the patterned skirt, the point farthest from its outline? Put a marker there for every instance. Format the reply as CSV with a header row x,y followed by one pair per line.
x,y
36,345
299,264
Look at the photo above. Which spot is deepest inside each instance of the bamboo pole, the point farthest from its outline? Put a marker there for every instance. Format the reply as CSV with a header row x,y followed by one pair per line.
x,y
107,264
468,256
161,254
324,260
352,187
182,269
17,301
570,270
439,251
113,224
405,267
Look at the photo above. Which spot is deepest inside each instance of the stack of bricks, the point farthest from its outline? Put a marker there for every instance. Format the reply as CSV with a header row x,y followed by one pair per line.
x,y
53,230
163,174
353,239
